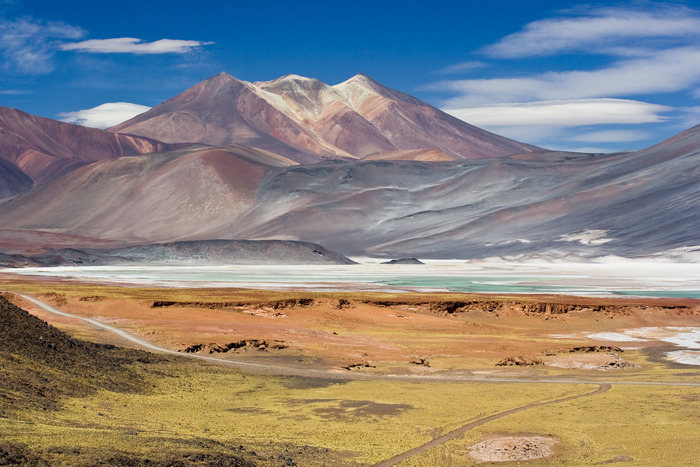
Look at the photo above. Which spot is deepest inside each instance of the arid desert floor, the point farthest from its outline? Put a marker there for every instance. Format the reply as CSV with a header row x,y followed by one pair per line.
x,y
367,378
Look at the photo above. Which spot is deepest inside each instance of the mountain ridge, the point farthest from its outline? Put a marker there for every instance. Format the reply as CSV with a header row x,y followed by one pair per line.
x,y
43,149
627,204
313,120
355,167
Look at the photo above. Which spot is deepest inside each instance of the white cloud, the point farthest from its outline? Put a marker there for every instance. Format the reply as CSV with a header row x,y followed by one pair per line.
x,y
689,117
105,115
610,136
597,28
563,113
667,71
462,67
134,46
27,45
14,92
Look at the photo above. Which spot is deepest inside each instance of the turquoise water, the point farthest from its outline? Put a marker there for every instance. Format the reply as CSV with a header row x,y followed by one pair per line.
x,y
377,277
485,285
661,293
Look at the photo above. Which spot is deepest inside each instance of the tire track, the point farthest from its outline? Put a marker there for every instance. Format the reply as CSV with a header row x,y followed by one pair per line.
x,y
469,426
330,374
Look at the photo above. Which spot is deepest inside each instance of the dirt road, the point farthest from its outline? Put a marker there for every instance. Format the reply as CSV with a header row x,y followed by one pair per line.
x,y
471,425
339,375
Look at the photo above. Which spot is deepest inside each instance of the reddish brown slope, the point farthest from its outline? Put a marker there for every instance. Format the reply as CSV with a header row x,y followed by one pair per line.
x,y
306,120
158,197
43,149
412,124
223,110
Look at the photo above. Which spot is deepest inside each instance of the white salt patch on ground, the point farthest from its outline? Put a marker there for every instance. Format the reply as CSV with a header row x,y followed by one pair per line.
x,y
690,340
614,336
687,357
687,337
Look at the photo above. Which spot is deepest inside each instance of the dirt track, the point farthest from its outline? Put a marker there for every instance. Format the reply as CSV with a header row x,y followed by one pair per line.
x,y
603,386
471,425
287,371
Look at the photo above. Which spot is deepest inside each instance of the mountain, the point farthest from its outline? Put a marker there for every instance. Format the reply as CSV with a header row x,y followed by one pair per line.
x,y
355,167
154,197
34,150
308,121
636,203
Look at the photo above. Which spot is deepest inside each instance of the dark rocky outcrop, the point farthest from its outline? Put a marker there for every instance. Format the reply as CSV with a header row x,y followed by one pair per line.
x,y
219,252
519,361
404,261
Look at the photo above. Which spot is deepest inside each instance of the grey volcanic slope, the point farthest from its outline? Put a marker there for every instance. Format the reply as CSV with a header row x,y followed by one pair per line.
x,y
635,203
202,252
34,150
13,180
230,252
306,120
628,204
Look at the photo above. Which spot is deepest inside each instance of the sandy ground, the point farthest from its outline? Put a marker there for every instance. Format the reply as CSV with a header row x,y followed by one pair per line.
x,y
408,334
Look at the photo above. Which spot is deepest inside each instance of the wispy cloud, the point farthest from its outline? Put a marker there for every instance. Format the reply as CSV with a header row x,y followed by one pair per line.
x,y
105,115
27,45
462,67
651,49
610,136
133,45
14,92
597,28
667,71
563,113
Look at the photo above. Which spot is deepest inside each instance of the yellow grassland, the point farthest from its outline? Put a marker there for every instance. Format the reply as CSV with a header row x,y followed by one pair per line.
x,y
329,422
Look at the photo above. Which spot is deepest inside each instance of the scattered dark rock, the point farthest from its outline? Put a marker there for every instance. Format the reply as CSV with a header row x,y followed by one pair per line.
x,y
421,361
237,345
596,348
404,261
277,305
519,361
91,298
355,366
342,304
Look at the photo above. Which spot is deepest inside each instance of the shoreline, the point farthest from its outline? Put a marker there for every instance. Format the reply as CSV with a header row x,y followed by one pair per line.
x,y
623,280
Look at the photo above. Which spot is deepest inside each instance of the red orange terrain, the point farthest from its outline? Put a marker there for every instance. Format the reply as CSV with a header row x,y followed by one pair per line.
x,y
436,334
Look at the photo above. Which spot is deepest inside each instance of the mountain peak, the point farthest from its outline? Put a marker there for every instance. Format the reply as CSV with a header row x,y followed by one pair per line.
x,y
291,82
364,79
220,79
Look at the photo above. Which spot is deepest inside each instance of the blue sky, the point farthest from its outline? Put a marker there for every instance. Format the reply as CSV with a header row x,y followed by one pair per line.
x,y
601,76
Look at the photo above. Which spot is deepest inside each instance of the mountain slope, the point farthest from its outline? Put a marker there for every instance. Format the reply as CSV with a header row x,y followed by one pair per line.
x,y
41,149
306,120
221,111
157,197
628,204
636,203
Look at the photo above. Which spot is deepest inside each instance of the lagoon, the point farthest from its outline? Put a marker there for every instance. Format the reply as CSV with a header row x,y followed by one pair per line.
x,y
624,278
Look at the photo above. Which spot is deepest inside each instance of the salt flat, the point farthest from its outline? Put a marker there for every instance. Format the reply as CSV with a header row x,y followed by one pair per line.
x,y
621,277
